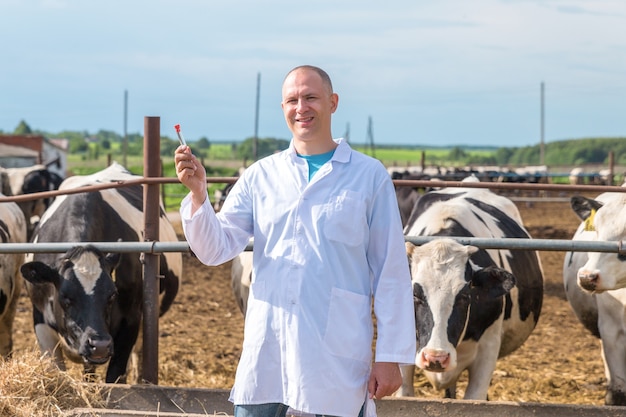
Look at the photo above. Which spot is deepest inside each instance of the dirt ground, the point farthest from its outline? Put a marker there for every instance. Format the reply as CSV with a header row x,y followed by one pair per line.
x,y
201,335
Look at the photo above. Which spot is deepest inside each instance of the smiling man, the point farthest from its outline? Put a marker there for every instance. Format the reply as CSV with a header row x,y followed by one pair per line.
x,y
327,240
308,103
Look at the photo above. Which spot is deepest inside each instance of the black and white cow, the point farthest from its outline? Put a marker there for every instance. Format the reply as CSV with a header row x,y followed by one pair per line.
x,y
88,305
241,278
472,306
407,195
219,195
29,180
603,219
595,284
5,184
12,230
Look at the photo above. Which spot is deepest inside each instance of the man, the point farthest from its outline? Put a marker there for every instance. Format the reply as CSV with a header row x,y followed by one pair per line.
x,y
327,238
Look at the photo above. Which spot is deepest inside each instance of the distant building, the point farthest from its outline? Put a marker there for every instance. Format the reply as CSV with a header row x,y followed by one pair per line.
x,y
18,151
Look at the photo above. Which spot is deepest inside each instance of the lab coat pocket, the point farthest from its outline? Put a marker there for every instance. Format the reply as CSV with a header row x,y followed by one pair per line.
x,y
346,219
348,327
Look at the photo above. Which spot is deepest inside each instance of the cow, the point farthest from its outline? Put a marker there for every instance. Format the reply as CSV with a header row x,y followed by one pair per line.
x,y
603,219
241,278
5,184
472,306
88,305
28,180
595,284
12,230
219,195
407,195
576,176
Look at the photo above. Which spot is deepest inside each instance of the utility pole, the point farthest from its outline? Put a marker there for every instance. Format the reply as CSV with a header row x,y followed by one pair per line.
x,y
346,135
541,144
125,127
255,151
370,136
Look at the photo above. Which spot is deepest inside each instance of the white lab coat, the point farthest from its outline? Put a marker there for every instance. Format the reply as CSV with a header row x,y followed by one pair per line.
x,y
322,250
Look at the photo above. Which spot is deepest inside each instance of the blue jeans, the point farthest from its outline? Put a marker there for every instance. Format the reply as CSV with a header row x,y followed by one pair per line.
x,y
269,410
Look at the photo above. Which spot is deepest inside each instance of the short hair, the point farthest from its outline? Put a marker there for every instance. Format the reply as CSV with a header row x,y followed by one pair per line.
x,y
323,74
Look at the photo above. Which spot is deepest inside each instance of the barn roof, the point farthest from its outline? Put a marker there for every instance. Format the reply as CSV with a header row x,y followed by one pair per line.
x,y
17,151
17,156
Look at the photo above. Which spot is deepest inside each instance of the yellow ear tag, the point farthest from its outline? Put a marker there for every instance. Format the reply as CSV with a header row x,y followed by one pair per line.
x,y
589,221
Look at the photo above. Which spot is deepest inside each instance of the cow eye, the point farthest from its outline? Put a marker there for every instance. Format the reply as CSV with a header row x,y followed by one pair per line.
x,y
418,294
66,264
112,298
65,302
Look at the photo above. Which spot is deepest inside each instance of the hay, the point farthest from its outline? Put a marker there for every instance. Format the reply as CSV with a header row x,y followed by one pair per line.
x,y
32,386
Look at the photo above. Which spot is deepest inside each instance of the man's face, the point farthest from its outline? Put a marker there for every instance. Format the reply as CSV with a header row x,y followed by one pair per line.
x,y
308,104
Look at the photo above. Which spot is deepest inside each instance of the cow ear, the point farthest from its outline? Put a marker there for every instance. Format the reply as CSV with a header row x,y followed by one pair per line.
x,y
39,273
584,207
493,281
409,248
112,260
471,250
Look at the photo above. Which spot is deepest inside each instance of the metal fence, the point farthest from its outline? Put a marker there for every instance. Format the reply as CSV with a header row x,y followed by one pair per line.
x,y
156,247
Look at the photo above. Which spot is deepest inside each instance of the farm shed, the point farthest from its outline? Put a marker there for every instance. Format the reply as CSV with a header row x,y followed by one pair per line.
x,y
17,156
18,151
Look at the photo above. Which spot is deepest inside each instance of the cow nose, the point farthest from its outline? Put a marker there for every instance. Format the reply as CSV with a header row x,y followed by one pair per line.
x,y
99,349
435,360
588,280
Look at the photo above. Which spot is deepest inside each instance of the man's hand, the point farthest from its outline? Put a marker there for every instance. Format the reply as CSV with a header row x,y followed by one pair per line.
x,y
385,379
191,173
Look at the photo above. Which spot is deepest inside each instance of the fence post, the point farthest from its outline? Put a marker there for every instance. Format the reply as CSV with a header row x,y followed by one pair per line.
x,y
611,168
151,212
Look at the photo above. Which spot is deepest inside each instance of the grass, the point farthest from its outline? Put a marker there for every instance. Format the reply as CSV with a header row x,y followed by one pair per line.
x,y
172,193
412,157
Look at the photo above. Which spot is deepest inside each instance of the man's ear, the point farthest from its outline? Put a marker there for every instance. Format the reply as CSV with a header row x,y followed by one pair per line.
x,y
335,102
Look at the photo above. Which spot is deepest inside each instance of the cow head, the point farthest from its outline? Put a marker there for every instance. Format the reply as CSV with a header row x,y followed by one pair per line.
x,y
446,286
76,299
602,221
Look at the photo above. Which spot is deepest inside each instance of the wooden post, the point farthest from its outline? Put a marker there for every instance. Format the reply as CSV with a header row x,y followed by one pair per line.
x,y
611,168
151,212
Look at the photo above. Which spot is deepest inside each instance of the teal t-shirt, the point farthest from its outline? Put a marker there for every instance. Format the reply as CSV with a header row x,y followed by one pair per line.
x,y
316,161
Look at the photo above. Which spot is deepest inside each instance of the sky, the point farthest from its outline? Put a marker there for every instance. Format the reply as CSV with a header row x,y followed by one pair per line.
x,y
408,72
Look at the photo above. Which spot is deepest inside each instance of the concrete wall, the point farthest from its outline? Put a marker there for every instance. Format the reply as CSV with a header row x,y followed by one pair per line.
x,y
149,401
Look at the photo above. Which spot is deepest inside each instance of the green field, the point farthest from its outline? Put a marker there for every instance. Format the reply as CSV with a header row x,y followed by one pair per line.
x,y
173,193
219,163
412,157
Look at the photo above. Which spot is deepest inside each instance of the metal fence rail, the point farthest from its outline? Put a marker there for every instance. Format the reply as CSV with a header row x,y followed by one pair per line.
x,y
182,246
62,247
530,244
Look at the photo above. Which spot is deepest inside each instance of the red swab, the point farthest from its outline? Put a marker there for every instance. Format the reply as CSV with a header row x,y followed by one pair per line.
x,y
181,139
